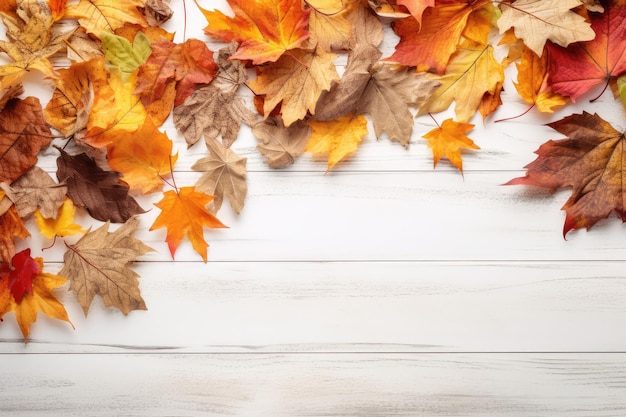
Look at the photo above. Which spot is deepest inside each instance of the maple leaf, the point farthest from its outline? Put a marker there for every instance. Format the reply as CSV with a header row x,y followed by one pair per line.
x,y
580,67
532,85
98,264
417,7
23,133
126,56
173,68
448,140
366,27
429,46
98,16
590,161
265,29
330,30
143,158
184,213
278,144
224,175
39,296
537,21
61,225
216,109
11,227
98,191
296,81
35,190
470,74
338,138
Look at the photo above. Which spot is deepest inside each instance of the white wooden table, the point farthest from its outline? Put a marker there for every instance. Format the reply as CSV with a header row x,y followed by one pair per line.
x,y
384,288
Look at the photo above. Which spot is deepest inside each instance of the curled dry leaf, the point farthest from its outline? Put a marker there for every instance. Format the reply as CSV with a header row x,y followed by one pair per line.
x,y
157,12
98,264
281,145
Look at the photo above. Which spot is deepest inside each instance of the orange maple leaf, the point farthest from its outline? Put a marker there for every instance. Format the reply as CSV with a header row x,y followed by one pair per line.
x,y
11,227
184,213
265,29
532,85
448,140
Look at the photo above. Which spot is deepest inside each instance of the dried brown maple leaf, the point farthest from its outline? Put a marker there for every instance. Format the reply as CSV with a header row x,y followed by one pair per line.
x,y
224,176
590,161
98,191
216,109
98,265
281,145
35,190
331,30
23,133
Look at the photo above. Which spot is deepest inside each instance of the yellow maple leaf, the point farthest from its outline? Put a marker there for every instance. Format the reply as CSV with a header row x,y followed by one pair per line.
x,y
184,213
98,16
448,140
62,225
337,138
331,30
532,85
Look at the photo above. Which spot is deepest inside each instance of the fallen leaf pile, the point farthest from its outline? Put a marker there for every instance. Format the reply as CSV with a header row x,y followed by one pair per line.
x,y
118,75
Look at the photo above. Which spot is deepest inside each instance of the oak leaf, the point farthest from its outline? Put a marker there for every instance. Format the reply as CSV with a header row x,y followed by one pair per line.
x,y
532,82
184,213
98,16
11,227
537,21
296,81
143,157
23,133
223,176
580,67
281,145
264,29
448,140
590,161
98,191
336,139
470,74
61,225
216,109
35,190
98,264
173,68
38,298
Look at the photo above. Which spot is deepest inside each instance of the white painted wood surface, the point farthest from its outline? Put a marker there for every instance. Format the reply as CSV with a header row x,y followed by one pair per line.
x,y
384,288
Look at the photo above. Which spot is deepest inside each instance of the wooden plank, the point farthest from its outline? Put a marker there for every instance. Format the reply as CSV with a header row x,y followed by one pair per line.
x,y
343,306
289,385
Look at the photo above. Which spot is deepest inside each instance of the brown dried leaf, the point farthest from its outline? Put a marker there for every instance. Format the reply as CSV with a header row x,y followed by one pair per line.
x,y
36,190
279,145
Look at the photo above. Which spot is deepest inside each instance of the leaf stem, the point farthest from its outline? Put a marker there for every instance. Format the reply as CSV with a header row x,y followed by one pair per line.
x,y
515,117
434,120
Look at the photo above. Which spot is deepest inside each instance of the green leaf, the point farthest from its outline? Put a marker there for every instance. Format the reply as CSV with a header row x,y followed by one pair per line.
x,y
124,55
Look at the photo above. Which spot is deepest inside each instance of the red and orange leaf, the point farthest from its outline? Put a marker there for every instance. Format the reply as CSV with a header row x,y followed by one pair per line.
x,y
416,7
448,140
143,157
99,16
265,29
184,213
590,161
9,7
11,227
580,67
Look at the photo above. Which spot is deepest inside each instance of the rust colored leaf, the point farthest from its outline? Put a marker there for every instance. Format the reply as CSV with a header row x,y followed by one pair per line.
x,y
184,213
98,264
447,141
23,133
590,161
11,227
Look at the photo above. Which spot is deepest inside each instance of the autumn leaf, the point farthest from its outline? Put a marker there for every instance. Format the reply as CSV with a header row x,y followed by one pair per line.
x,y
223,176
216,109
28,272
296,81
429,46
61,225
590,161
23,133
265,29
126,56
57,8
184,213
338,138
448,140
5,203
8,7
281,145
470,74
416,7
98,16
157,12
98,264
366,28
11,227
143,158
98,191
331,31
537,21
580,67
173,68
35,190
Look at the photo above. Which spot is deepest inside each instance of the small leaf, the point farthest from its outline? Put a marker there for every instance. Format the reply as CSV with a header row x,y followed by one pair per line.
x,y
62,225
278,144
448,140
